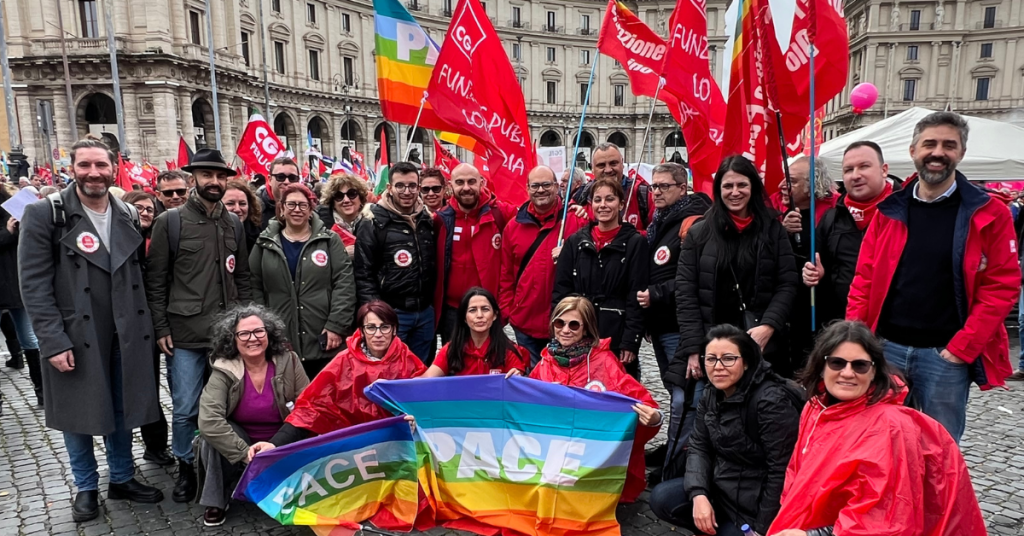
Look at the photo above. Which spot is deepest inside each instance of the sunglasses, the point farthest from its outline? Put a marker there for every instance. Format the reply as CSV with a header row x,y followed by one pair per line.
x,y
179,192
281,177
432,189
351,194
860,366
574,325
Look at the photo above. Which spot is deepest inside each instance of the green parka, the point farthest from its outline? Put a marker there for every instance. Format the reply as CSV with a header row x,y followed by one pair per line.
x,y
322,295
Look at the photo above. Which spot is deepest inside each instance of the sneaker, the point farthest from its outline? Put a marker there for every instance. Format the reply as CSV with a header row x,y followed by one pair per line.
x,y
1017,376
214,517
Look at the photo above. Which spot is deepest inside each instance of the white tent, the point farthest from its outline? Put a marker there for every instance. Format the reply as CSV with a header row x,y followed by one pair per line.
x,y
993,148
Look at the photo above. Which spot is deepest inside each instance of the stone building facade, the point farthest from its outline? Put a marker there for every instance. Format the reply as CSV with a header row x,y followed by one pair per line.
x,y
320,69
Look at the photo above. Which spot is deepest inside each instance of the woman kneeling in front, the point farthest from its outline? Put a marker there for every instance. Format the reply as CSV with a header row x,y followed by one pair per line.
x,y
864,463
253,385
578,357
742,439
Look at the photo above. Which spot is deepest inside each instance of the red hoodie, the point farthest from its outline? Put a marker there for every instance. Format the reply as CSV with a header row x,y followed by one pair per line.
x,y
602,371
878,469
335,399
475,362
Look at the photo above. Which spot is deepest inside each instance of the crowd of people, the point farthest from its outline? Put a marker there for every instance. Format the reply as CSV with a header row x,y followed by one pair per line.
x,y
275,305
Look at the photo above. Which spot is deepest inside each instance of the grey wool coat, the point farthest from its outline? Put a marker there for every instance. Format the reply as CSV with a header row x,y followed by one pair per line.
x,y
82,298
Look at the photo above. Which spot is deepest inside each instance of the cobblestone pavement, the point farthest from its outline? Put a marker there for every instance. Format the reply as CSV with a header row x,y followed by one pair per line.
x,y
36,487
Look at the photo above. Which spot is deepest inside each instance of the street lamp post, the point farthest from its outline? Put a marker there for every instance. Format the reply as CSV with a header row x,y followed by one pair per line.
x,y
17,164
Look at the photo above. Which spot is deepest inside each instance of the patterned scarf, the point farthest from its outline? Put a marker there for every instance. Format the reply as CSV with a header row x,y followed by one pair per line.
x,y
572,355
661,214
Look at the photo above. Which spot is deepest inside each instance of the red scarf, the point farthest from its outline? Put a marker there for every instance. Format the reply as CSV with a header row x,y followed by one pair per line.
x,y
541,217
864,212
603,238
741,223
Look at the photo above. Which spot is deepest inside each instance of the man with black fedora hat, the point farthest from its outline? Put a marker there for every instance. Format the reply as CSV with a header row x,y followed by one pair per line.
x,y
197,268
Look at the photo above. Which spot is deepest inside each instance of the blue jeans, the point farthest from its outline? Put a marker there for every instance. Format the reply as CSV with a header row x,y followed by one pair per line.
x,y
1020,329
416,330
118,443
664,348
23,327
937,387
669,502
185,371
532,345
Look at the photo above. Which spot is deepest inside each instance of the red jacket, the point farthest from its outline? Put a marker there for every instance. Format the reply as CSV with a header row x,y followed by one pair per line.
x,y
878,469
486,243
987,293
602,371
526,302
335,399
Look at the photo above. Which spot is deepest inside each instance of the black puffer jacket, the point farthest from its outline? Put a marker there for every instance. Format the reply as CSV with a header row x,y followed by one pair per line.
x,y
663,256
269,206
10,295
743,476
610,279
768,279
394,261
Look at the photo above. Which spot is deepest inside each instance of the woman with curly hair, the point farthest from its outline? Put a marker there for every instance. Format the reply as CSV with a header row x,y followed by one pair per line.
x,y
241,201
253,385
342,206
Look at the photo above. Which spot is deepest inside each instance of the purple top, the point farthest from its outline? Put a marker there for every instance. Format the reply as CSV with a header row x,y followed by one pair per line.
x,y
257,413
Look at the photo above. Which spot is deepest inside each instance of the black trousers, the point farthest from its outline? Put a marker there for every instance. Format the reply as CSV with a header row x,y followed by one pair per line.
x,y
154,434
668,502
10,335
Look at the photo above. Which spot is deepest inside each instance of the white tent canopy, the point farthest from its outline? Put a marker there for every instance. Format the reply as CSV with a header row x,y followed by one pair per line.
x,y
993,148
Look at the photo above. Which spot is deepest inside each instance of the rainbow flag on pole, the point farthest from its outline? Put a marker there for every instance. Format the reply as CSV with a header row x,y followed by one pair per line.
x,y
519,455
339,479
405,60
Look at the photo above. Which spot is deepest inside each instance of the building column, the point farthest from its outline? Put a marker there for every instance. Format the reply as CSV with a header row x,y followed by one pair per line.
x,y
166,123
1010,70
961,14
337,119
186,127
933,71
227,139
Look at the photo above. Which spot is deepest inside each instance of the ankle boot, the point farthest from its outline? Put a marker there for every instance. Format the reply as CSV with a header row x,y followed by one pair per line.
x,y
35,373
17,361
185,487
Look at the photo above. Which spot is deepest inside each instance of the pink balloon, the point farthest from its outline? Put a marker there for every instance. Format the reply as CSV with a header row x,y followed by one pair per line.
x,y
863,96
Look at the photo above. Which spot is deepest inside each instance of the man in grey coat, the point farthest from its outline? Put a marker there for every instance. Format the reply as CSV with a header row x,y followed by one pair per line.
x,y
80,263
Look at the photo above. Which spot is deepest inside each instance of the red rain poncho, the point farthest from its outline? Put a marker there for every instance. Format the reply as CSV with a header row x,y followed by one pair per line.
x,y
335,399
878,469
604,372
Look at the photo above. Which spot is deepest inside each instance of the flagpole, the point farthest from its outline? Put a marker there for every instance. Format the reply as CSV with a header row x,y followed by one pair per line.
x,y
415,125
643,144
579,136
810,56
263,56
213,72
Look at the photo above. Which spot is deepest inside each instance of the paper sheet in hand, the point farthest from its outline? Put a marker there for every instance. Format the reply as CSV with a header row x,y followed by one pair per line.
x,y
15,206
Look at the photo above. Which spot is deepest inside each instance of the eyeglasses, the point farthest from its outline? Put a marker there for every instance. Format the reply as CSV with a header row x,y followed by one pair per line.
x,y
663,187
293,205
340,196
574,325
534,186
726,360
384,329
432,189
143,209
859,366
401,187
247,335
177,192
281,177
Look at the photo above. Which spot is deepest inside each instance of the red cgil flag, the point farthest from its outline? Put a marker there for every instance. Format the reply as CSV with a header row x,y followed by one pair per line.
x,y
258,146
185,153
474,88
124,175
688,77
170,164
444,160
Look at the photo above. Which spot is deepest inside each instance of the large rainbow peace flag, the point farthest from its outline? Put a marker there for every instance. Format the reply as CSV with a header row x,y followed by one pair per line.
x,y
405,59
518,455
339,479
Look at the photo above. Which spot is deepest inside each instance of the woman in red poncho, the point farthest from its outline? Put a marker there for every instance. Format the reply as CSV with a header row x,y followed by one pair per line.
x,y
864,464
335,399
578,357
478,344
